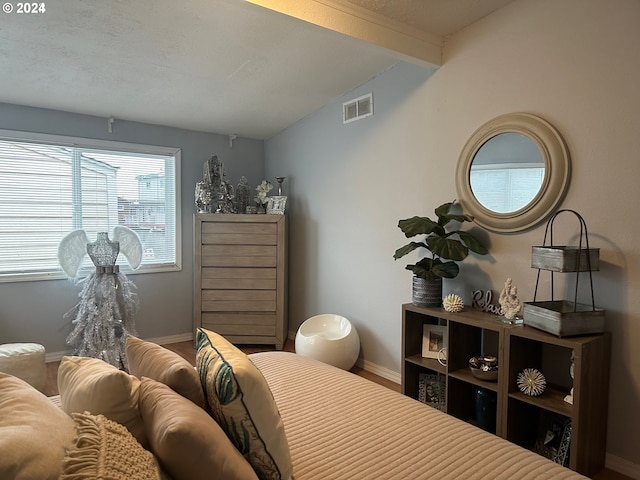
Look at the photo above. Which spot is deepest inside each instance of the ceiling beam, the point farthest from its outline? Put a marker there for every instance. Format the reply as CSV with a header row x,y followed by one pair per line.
x,y
411,44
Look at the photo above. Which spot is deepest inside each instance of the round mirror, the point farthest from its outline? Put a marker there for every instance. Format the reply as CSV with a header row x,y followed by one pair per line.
x,y
513,172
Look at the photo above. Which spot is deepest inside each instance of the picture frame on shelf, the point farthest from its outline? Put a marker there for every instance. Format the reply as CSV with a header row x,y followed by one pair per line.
x,y
554,437
432,390
276,204
434,340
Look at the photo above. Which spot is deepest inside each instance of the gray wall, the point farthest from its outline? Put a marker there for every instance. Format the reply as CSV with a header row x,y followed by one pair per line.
x,y
347,188
350,184
33,311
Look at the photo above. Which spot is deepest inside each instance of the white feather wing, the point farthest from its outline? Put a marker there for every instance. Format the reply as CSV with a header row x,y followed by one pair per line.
x,y
71,251
130,244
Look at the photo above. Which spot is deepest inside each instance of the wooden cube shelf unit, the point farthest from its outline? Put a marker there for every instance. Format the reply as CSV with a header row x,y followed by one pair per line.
x,y
472,333
240,277
531,348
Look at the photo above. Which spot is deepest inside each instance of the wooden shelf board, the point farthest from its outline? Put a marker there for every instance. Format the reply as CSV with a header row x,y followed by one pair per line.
x,y
551,399
466,376
430,363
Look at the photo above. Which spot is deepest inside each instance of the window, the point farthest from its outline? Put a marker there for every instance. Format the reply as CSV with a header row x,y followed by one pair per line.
x,y
506,188
54,185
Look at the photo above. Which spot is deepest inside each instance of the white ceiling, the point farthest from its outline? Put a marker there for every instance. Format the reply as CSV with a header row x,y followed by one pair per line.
x,y
222,66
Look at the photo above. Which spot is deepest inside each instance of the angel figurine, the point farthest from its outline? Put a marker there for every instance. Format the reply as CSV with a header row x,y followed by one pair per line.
x,y
104,316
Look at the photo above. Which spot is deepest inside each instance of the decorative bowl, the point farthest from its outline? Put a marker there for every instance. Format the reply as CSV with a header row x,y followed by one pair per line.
x,y
484,368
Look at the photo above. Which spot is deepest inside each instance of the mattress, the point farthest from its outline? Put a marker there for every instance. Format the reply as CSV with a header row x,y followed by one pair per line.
x,y
343,427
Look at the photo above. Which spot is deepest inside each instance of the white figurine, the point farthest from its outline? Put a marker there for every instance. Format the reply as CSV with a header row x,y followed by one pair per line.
x,y
510,305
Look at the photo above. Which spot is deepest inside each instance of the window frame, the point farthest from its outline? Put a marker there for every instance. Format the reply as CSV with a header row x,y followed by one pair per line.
x,y
88,143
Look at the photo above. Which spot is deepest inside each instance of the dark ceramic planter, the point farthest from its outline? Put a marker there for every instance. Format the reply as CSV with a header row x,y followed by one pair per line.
x,y
427,293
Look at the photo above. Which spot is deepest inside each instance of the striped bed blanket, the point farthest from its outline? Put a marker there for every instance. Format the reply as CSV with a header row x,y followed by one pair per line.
x,y
343,427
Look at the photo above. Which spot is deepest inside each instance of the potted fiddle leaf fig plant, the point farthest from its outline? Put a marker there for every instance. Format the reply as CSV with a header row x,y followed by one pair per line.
x,y
445,247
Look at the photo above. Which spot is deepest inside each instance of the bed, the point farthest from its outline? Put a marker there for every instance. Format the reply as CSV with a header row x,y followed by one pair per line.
x,y
341,426
270,415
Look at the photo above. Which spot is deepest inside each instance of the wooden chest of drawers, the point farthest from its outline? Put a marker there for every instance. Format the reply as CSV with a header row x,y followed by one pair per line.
x,y
240,277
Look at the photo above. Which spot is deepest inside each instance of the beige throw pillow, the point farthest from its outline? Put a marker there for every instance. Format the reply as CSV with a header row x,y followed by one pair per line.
x,y
104,449
92,385
33,432
242,403
150,360
187,441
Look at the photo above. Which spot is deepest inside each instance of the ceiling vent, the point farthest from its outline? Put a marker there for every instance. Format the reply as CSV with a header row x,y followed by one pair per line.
x,y
357,108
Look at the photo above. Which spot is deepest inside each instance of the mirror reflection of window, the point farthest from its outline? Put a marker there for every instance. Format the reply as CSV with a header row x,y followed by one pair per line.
x,y
507,172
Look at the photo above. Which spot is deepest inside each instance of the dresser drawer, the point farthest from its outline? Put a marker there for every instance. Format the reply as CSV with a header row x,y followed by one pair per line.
x,y
239,256
240,323
239,278
239,234
238,301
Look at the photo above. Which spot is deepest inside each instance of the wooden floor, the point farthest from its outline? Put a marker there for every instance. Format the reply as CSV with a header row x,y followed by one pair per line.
x,y
188,352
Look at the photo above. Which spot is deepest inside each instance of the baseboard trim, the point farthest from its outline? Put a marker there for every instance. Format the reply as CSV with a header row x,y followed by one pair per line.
x,y
620,465
56,356
183,337
383,372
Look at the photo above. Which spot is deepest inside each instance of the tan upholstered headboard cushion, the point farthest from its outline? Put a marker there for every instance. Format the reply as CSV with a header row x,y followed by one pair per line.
x,y
150,360
187,441
91,385
105,449
242,404
33,432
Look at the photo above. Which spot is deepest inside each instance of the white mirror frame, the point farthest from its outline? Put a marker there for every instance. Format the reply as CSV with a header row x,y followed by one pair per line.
x,y
554,185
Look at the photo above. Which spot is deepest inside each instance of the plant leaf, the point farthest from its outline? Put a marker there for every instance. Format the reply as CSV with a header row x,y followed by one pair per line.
x,y
423,269
409,247
461,217
419,225
473,243
443,209
433,268
448,248
445,216
446,270
443,213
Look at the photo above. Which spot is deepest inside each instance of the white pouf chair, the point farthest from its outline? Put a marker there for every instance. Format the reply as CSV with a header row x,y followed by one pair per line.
x,y
330,339
25,361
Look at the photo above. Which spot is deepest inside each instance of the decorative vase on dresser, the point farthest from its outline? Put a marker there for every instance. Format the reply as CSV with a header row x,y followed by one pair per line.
x,y
240,277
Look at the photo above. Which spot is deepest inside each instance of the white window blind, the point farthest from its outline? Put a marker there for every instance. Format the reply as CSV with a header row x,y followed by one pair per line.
x,y
49,189
505,188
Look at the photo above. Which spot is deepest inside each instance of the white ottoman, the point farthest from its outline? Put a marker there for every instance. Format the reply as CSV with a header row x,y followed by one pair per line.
x,y
25,361
329,338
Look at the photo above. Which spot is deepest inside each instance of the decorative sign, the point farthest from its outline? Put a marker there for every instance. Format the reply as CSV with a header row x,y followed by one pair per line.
x,y
482,301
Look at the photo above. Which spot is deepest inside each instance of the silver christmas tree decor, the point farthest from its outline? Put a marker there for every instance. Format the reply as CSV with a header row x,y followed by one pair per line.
x,y
104,316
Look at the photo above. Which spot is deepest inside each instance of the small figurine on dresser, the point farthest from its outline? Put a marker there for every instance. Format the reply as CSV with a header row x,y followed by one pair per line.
x,y
243,193
214,194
